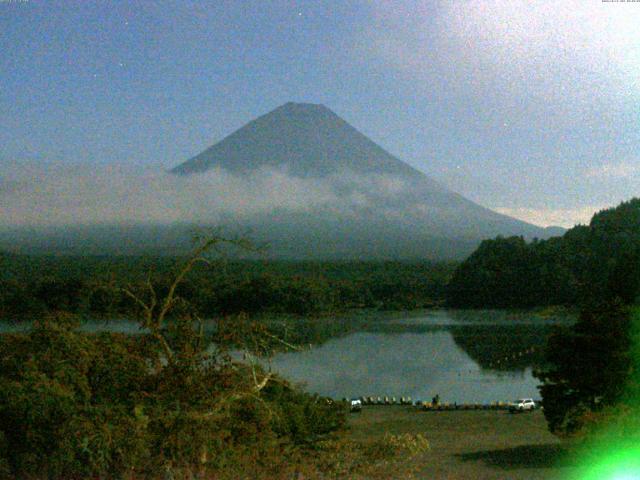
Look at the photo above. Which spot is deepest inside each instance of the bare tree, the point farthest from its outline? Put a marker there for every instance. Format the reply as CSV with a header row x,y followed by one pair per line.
x,y
155,309
156,313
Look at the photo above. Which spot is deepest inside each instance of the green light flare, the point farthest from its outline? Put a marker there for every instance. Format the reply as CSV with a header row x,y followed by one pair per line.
x,y
622,462
615,452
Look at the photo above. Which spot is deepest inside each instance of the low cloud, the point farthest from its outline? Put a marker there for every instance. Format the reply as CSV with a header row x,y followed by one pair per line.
x,y
56,195
547,217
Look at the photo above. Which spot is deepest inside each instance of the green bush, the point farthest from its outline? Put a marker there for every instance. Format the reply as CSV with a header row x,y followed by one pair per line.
x,y
79,405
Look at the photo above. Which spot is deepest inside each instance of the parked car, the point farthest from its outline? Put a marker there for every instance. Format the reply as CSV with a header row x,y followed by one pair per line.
x,y
355,405
522,405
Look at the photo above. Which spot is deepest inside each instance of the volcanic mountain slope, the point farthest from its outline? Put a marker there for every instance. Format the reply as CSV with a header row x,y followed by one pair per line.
x,y
383,207
310,140
299,178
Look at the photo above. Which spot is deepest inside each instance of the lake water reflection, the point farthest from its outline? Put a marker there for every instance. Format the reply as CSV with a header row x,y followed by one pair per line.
x,y
462,356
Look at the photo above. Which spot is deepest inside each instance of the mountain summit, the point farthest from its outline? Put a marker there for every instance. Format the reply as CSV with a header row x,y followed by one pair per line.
x,y
308,139
399,212
299,178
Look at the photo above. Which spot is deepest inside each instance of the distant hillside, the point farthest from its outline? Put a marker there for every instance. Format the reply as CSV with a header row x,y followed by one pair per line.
x,y
596,261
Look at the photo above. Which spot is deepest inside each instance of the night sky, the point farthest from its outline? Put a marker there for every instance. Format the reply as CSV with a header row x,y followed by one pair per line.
x,y
529,108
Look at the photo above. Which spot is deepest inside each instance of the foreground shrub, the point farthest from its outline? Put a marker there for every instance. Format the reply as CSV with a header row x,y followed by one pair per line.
x,y
78,405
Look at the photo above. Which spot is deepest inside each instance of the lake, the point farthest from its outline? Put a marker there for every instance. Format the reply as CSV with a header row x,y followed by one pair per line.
x,y
463,356
470,356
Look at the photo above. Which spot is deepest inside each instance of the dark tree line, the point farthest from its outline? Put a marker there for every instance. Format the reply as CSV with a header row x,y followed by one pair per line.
x,y
511,273
595,261
92,286
590,368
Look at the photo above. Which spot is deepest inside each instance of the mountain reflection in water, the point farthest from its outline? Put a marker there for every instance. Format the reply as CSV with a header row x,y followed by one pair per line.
x,y
462,356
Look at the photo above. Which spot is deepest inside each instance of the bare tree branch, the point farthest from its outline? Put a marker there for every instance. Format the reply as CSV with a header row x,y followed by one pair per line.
x,y
153,320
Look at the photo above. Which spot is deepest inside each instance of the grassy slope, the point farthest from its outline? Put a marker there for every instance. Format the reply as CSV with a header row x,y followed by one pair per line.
x,y
470,444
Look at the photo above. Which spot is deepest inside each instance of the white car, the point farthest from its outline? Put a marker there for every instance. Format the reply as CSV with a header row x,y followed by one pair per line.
x,y
522,405
355,405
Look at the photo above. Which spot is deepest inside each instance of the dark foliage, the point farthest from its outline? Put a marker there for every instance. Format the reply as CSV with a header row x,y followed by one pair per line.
x,y
599,261
595,268
590,366
77,405
31,286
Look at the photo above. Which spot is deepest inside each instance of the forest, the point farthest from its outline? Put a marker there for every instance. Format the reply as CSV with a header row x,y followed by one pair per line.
x,y
590,386
92,286
504,272
589,261
590,383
